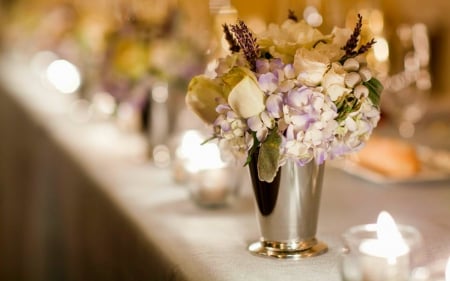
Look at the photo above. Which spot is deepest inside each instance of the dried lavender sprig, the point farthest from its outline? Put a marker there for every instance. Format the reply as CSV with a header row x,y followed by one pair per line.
x,y
233,44
352,43
364,48
292,16
247,42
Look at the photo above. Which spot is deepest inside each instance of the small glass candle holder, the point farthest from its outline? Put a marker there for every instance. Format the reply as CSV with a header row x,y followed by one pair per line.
x,y
211,181
216,187
438,270
371,255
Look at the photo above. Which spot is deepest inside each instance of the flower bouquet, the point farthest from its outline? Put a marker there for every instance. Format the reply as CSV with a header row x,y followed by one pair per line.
x,y
290,92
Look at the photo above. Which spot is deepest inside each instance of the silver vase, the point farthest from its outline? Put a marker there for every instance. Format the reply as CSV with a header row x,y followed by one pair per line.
x,y
287,211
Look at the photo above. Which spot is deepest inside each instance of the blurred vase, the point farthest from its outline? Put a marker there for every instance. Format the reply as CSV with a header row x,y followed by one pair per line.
x,y
408,89
287,210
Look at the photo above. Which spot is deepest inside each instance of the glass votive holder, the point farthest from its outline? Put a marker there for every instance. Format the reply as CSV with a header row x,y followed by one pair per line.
x,y
215,187
365,259
438,270
199,165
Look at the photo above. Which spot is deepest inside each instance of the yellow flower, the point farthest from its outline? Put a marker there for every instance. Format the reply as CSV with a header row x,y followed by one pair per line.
x,y
238,87
203,96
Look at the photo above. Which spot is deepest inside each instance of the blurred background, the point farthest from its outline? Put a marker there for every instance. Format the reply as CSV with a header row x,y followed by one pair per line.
x,y
122,48
90,24
130,61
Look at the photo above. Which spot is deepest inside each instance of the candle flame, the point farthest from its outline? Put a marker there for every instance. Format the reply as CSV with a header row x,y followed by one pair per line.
x,y
390,237
199,156
387,229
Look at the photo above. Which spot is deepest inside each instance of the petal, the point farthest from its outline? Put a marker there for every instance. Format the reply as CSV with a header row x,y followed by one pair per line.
x,y
300,121
276,64
268,122
261,135
254,123
289,71
286,85
246,98
222,108
275,105
298,97
225,126
201,97
268,82
290,135
350,124
262,66
335,91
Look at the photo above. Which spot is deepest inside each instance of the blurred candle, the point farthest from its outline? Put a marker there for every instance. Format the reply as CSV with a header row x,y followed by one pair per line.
x,y
64,76
386,258
128,118
379,252
389,243
211,181
159,125
103,104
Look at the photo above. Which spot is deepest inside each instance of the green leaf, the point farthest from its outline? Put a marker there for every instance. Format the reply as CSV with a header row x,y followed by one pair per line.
x,y
375,88
253,149
269,156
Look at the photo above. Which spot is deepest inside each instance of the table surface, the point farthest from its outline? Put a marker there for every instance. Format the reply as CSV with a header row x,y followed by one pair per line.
x,y
210,244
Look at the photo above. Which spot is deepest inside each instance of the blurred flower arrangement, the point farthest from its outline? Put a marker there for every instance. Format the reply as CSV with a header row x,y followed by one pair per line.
x,y
141,53
290,92
121,49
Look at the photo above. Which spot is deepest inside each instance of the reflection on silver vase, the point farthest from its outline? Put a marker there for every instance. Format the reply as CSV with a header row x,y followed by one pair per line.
x,y
287,211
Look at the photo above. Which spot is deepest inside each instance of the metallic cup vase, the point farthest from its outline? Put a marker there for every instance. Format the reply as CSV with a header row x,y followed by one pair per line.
x,y
287,211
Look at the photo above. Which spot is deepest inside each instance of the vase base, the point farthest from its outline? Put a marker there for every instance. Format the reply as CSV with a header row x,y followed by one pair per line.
x,y
262,248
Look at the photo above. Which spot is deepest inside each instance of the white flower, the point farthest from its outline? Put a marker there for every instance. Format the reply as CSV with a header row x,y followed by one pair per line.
x,y
341,36
246,98
283,41
334,82
310,66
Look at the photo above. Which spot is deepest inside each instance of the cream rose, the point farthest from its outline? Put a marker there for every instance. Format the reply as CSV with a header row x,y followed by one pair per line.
x,y
283,41
310,66
246,98
334,82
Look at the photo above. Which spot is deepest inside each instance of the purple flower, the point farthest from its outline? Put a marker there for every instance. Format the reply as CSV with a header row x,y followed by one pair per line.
x,y
262,66
274,105
276,64
268,82
298,97
223,108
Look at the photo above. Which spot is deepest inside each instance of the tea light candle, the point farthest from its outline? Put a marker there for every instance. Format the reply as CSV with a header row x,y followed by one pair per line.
x,y
189,144
209,175
211,180
387,257
378,252
212,186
